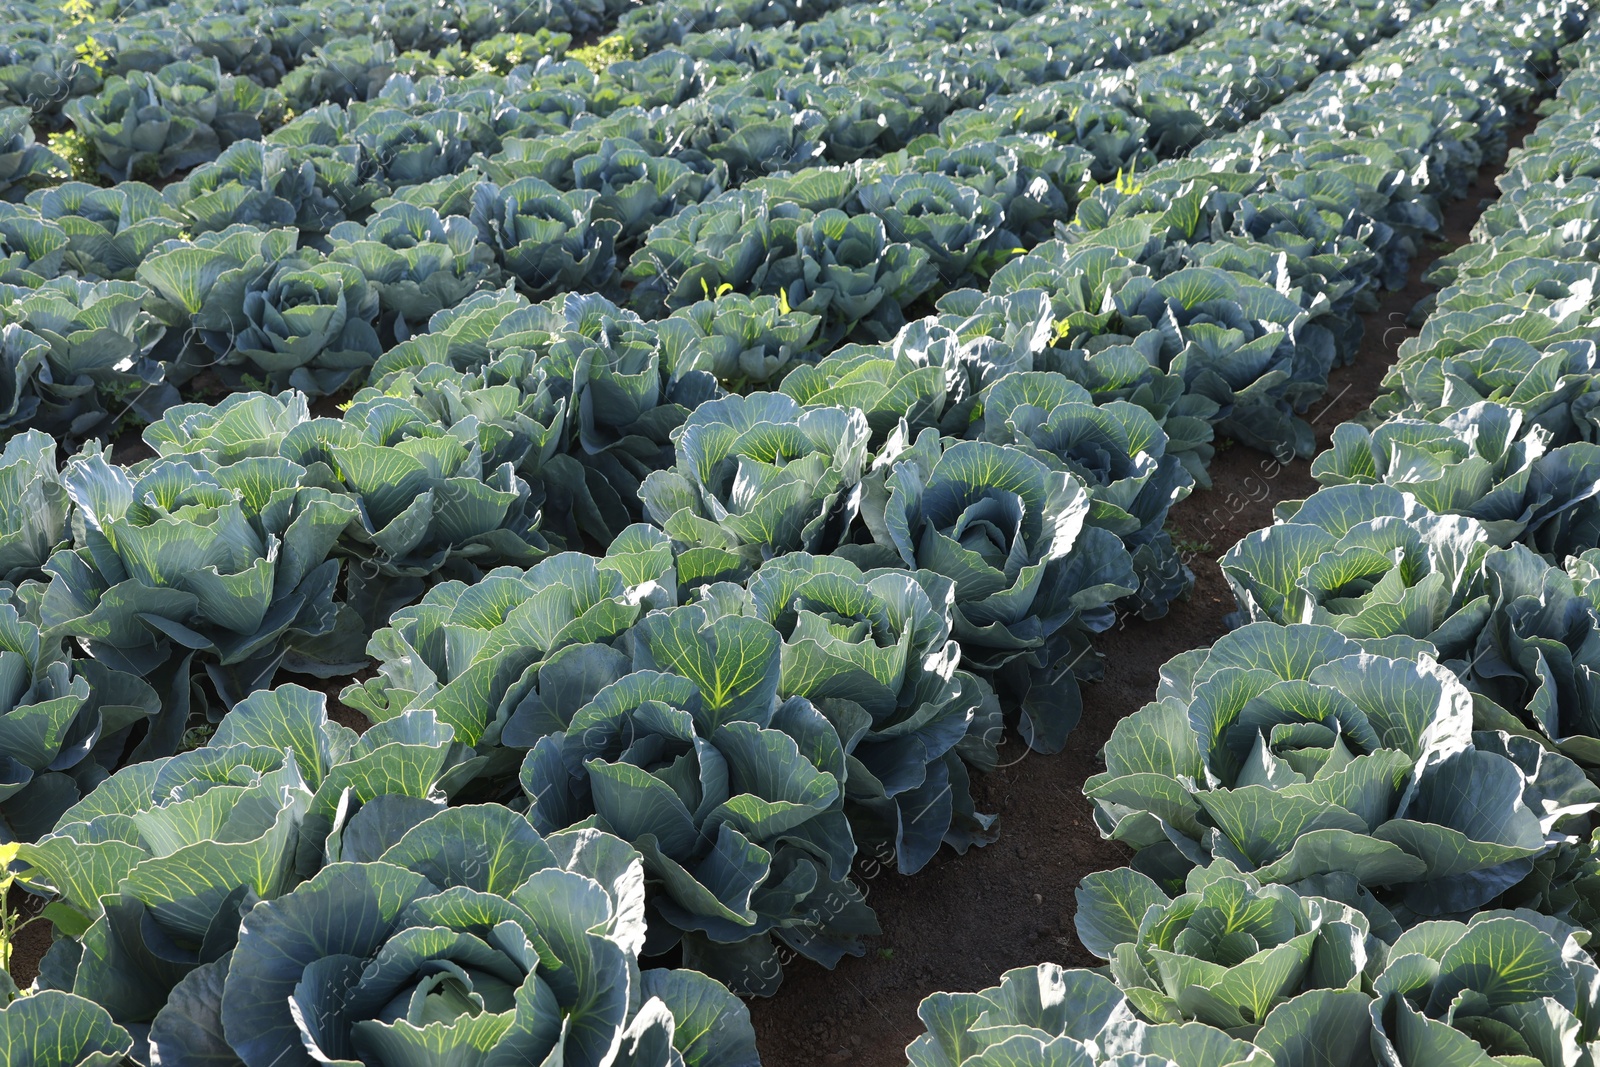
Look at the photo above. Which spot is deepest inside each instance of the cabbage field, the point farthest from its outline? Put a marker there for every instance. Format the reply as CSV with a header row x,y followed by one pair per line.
x,y
514,513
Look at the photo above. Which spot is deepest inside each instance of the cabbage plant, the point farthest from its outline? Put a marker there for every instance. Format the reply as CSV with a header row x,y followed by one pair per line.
x,y
463,337
1535,662
748,134
1483,462
1329,765
153,870
97,363
1032,579
904,380
149,125
109,231
952,222
240,46
1118,450
867,118
340,70
476,938
55,1029
308,325
413,148
1246,346
734,796
550,241
742,242
266,185
1369,561
429,503
748,343
197,290
237,427
1228,949
202,282
23,162
432,497
519,406
638,189
233,108
1035,179
1048,1014
1094,347
933,370
33,506
1551,384
534,637
755,477
65,724
32,249
1504,987
1497,988
855,278
143,45
872,651
580,395
418,263
179,568
22,362
41,72
664,78
626,385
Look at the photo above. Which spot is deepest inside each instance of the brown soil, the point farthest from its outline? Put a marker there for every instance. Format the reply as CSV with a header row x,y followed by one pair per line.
x,y
962,921
33,939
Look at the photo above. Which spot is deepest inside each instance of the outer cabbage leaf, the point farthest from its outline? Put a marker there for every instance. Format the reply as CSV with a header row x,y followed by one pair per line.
x,y
56,1029
180,567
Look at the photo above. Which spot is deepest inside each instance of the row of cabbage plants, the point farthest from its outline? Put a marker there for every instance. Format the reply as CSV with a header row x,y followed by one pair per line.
x,y
183,108
181,86
805,663
1363,828
418,480
747,744
408,499
1484,469
328,310
57,53
838,271
379,925
202,112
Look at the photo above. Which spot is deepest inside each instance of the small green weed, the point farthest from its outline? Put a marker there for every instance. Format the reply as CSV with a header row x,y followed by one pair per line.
x,y
83,162
597,57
